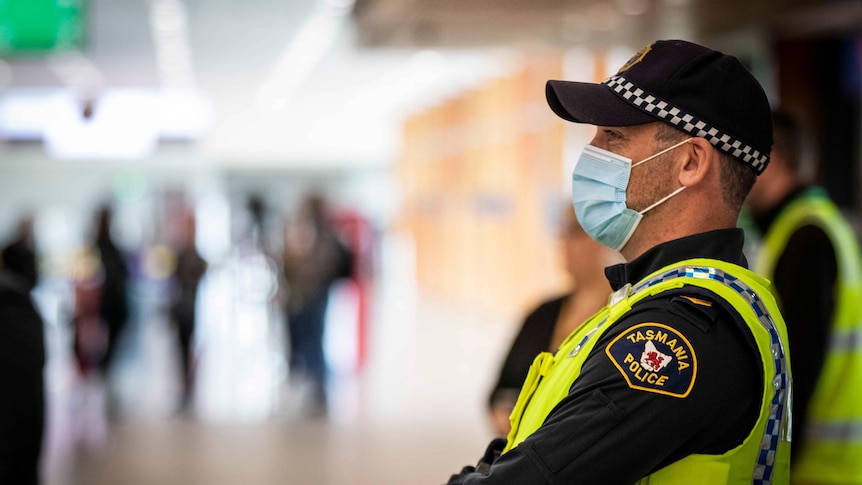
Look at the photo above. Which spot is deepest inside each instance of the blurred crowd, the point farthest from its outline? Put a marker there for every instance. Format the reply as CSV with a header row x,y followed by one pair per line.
x,y
285,264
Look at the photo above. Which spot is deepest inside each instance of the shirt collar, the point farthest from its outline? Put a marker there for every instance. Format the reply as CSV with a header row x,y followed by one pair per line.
x,y
722,244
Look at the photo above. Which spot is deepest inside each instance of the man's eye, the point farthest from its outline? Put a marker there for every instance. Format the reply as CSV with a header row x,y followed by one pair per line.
x,y
613,135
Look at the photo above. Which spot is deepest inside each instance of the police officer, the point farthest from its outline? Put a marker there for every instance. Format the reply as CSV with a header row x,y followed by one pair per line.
x,y
812,257
684,377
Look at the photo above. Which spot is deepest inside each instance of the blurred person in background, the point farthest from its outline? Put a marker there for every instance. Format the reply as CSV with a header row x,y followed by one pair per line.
x,y
98,319
684,376
546,326
113,303
254,260
22,359
314,257
258,228
19,255
90,336
190,269
811,255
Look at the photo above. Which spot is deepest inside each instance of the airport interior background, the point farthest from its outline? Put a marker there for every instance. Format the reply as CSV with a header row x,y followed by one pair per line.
x,y
425,128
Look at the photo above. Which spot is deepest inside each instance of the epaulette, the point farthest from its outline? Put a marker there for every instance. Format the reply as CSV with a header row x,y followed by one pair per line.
x,y
698,310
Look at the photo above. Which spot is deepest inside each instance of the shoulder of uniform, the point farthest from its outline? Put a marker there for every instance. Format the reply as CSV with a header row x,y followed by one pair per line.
x,y
700,309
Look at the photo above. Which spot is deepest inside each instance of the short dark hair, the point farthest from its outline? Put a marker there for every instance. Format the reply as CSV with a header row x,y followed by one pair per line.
x,y
737,179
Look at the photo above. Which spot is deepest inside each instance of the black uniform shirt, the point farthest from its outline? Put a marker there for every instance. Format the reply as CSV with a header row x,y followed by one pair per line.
x,y
605,431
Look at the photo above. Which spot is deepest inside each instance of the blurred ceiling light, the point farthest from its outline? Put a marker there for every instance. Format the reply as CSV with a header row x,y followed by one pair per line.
x,y
299,59
633,7
123,126
183,114
33,113
25,112
169,23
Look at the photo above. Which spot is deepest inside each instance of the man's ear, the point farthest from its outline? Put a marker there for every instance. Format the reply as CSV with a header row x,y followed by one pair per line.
x,y
701,160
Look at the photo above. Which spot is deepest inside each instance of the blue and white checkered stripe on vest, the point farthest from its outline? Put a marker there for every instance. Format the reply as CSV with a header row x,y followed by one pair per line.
x,y
776,428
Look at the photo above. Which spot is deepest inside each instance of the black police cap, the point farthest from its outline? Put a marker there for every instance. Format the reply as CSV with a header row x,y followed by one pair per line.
x,y
697,90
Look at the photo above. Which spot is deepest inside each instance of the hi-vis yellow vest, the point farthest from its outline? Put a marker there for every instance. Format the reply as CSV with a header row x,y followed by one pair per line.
x,y
832,452
764,455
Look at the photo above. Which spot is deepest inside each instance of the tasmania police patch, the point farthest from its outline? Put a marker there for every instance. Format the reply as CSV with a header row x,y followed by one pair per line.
x,y
655,358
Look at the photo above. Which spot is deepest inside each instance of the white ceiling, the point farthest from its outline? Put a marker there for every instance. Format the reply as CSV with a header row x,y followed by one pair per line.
x,y
292,84
285,80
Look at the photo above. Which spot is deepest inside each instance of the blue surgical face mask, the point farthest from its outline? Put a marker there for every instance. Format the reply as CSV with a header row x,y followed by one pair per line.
x,y
599,184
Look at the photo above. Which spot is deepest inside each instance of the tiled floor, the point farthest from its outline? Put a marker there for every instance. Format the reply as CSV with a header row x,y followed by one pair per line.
x,y
412,415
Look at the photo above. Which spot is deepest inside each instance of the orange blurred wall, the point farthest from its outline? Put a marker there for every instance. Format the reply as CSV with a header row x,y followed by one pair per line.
x,y
481,176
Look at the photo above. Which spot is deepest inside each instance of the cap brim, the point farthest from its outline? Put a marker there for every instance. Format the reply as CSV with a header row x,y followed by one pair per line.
x,y
593,104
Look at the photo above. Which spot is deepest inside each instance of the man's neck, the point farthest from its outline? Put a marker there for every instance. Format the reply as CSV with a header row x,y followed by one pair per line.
x,y
685,223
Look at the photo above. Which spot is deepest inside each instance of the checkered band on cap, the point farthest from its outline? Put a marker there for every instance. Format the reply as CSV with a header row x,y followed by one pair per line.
x,y
687,122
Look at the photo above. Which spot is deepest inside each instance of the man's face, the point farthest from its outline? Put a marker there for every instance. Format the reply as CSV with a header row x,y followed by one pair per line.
x,y
650,181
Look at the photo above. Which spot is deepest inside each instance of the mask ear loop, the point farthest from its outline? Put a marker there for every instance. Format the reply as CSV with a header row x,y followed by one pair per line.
x,y
668,196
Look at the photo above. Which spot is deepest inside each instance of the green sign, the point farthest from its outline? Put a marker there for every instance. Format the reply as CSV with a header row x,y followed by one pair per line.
x,y
35,26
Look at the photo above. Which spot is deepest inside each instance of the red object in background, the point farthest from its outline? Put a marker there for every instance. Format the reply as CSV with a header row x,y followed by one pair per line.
x,y
90,335
358,235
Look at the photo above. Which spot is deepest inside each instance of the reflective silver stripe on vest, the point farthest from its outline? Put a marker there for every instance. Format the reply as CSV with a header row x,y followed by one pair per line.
x,y
843,432
846,340
777,424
